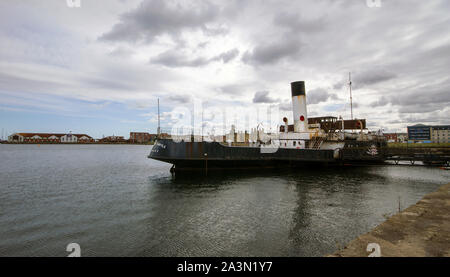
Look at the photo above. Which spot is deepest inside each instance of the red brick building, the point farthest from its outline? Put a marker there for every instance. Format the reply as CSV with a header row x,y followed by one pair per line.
x,y
396,137
390,137
141,137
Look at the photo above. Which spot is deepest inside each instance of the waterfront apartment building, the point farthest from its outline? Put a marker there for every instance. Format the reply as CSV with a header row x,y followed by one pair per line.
x,y
141,137
429,133
49,138
440,134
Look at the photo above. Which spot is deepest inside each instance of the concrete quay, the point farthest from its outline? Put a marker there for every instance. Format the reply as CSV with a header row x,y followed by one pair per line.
x,y
421,230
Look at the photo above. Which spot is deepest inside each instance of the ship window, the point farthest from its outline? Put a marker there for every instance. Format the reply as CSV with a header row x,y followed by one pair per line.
x,y
294,143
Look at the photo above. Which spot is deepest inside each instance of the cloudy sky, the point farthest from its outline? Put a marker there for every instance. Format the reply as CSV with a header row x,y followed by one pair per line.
x,y
100,68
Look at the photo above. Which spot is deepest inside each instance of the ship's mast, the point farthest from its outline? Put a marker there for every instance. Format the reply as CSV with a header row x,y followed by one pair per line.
x,y
351,101
159,128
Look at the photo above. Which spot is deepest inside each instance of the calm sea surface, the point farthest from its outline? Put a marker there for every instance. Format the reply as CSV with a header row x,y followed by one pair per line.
x,y
114,201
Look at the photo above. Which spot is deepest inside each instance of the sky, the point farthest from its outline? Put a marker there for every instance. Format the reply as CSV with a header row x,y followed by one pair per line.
x,y
100,67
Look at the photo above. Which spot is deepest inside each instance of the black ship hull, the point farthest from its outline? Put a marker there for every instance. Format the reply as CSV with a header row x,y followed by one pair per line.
x,y
214,155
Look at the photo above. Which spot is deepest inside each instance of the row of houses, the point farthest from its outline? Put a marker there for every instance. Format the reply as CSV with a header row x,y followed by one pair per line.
x,y
49,137
135,137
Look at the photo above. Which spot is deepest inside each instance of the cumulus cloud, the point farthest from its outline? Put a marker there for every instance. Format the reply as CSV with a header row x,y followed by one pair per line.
x,y
285,106
319,95
236,89
153,18
180,98
372,77
227,56
366,78
295,23
273,52
263,97
121,52
174,58
429,94
381,101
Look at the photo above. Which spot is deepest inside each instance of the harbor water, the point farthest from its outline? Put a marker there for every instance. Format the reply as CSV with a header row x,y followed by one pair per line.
x,y
114,201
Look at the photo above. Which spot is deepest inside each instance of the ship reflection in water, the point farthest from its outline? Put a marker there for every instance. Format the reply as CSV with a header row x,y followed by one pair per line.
x,y
113,201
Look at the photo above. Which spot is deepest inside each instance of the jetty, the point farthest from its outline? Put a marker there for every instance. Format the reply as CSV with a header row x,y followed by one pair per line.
x,y
426,155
